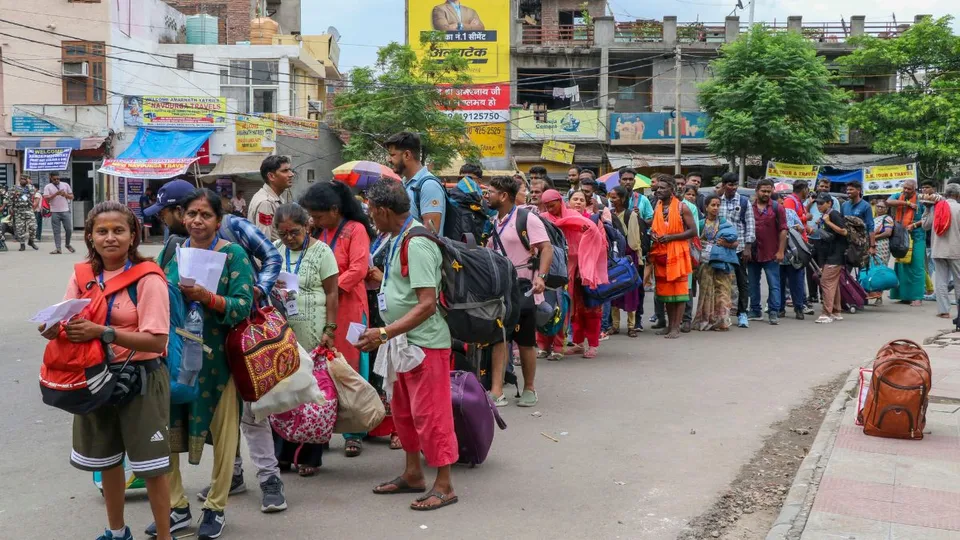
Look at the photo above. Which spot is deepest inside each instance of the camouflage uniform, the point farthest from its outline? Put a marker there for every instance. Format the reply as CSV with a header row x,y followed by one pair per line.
x,y
20,205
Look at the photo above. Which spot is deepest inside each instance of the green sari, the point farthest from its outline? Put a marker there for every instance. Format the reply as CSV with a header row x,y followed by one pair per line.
x,y
912,277
190,423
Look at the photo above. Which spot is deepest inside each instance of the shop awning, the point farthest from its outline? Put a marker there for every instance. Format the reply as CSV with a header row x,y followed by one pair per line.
x,y
247,165
622,159
156,154
22,143
855,161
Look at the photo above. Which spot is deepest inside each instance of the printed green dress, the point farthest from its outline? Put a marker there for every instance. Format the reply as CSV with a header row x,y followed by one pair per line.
x,y
190,423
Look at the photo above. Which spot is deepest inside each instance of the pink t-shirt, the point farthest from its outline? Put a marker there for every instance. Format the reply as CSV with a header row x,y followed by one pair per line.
x,y
58,203
152,318
518,255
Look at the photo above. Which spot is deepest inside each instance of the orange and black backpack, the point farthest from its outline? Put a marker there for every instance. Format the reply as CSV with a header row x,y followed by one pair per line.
x,y
75,377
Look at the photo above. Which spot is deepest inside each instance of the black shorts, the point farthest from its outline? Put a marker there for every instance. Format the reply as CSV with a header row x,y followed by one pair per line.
x,y
525,333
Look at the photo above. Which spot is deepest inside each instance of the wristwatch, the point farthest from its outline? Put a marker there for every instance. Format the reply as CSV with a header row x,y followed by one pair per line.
x,y
383,335
543,276
109,335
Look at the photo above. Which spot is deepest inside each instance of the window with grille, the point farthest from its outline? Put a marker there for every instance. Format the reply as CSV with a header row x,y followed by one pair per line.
x,y
253,83
84,86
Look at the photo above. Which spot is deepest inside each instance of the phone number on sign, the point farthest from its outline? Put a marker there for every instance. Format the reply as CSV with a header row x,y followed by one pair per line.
x,y
481,116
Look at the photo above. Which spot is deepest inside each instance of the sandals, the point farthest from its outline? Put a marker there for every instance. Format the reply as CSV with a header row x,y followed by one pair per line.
x,y
306,472
632,333
352,448
395,443
71,250
555,357
56,252
402,487
543,354
444,501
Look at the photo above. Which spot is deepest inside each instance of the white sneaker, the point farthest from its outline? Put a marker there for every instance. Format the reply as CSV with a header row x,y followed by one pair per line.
x,y
824,319
499,401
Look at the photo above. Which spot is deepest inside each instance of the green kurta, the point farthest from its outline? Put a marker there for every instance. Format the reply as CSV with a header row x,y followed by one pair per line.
x,y
190,423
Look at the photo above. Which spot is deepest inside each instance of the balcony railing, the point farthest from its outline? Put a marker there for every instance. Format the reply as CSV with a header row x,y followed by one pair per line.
x,y
836,32
638,32
576,35
697,32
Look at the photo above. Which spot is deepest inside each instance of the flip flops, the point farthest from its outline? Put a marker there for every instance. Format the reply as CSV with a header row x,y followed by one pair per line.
x,y
444,501
402,487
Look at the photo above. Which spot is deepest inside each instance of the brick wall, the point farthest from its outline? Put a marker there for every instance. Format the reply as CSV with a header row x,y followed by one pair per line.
x,y
233,15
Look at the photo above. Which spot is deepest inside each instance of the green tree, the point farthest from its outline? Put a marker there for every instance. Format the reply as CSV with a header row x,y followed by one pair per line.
x,y
401,93
922,119
771,96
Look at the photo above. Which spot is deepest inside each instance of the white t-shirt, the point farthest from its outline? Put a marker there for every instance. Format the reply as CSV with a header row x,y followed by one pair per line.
x,y
58,203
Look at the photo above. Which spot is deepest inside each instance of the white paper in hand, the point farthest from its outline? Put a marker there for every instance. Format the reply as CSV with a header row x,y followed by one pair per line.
x,y
202,265
292,281
60,312
354,332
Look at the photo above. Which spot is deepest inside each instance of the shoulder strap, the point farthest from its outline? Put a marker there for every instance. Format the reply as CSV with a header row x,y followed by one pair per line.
x,y
417,187
167,254
776,213
131,277
415,232
84,273
744,206
522,215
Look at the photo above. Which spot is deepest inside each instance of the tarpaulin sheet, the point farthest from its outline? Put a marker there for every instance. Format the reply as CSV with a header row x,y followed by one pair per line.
x,y
155,154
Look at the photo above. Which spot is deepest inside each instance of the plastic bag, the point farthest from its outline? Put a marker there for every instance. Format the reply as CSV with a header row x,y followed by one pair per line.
x,y
360,408
291,392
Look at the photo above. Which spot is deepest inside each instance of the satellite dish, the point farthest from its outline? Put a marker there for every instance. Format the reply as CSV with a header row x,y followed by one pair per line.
x,y
334,32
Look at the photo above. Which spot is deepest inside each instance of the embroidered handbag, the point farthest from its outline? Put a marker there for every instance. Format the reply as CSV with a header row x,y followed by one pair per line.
x,y
311,423
261,352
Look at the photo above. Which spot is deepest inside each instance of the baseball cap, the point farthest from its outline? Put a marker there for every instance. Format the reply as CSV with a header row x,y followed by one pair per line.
x,y
170,194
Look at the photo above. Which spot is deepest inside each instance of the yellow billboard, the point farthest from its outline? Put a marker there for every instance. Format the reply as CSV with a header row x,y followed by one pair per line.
x,y
566,125
477,30
789,172
255,134
887,179
491,138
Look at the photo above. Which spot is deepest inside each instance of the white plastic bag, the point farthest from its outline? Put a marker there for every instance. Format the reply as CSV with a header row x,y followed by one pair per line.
x,y
290,393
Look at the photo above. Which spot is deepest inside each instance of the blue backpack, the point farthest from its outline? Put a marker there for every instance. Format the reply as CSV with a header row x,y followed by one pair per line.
x,y
179,393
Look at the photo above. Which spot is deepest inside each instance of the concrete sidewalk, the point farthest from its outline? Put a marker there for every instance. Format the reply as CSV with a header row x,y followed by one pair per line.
x,y
861,487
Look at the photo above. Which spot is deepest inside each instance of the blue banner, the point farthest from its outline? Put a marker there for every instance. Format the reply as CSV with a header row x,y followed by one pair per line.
x,y
31,125
656,127
46,159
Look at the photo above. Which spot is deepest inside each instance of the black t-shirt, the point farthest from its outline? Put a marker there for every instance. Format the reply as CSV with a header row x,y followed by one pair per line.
x,y
832,252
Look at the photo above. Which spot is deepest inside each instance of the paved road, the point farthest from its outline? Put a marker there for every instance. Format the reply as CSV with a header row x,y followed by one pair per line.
x,y
626,466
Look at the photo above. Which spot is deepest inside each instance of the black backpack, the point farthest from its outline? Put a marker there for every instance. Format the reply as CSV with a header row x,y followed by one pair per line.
x,y
899,241
479,296
558,275
798,253
465,213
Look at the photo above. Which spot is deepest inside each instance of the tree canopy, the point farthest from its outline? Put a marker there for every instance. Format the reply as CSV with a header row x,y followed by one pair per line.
x,y
771,96
922,119
404,93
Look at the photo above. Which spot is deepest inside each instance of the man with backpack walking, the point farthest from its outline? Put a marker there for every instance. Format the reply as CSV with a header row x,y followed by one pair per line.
x,y
768,251
428,198
735,208
519,246
857,206
414,348
264,255
790,274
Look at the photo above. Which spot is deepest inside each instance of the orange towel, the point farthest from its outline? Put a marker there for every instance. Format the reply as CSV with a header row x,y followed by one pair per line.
x,y
677,253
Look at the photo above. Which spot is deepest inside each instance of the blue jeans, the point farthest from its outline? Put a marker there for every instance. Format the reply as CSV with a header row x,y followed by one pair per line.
x,y
607,320
795,278
772,270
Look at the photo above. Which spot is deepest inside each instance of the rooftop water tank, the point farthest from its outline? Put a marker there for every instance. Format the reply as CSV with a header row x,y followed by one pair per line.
x,y
262,30
202,30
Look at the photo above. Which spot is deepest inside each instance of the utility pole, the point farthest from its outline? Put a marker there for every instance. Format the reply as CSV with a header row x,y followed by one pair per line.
x,y
677,117
752,4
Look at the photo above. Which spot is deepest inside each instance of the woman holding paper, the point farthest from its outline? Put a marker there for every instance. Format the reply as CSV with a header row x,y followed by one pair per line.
x,y
216,413
339,221
314,303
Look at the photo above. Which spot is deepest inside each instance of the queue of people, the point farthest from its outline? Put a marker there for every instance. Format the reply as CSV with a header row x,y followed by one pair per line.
x,y
693,251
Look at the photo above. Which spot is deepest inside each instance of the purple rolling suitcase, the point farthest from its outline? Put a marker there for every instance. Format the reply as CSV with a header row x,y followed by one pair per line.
x,y
852,295
474,416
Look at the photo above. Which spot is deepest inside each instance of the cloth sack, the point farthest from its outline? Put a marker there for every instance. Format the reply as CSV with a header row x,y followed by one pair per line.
x,y
291,392
261,351
311,423
359,409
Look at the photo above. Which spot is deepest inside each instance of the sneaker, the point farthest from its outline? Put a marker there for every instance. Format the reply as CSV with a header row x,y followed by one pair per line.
x,y
782,313
273,499
499,401
742,321
774,319
212,523
591,352
824,319
604,336
639,327
926,297
686,327
107,535
800,316
528,399
659,325
837,317
542,354
755,316
236,487
179,519
808,309
653,318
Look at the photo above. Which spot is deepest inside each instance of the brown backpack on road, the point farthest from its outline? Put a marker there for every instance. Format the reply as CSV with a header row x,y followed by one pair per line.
x,y
896,404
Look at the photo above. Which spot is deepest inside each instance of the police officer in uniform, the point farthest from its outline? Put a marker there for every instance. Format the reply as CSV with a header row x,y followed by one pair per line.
x,y
19,203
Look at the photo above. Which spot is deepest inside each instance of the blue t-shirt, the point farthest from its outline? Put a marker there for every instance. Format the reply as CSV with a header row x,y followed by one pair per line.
x,y
862,210
433,196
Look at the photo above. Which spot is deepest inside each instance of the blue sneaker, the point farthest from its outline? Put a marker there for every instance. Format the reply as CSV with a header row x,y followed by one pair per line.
x,y
179,519
107,535
212,523
742,321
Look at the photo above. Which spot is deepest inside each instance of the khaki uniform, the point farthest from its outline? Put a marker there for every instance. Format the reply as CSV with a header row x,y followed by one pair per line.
x,y
263,206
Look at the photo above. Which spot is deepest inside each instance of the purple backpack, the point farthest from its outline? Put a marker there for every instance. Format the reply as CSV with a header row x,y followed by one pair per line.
x,y
473,417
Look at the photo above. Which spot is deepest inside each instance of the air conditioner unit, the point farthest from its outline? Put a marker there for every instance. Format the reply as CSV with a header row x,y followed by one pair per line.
x,y
76,69
316,106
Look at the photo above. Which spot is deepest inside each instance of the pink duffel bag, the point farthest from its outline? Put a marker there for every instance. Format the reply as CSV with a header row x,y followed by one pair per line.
x,y
311,423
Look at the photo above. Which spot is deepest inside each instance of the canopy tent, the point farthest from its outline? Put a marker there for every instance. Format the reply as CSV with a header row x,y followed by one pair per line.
x,y
155,154
243,165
